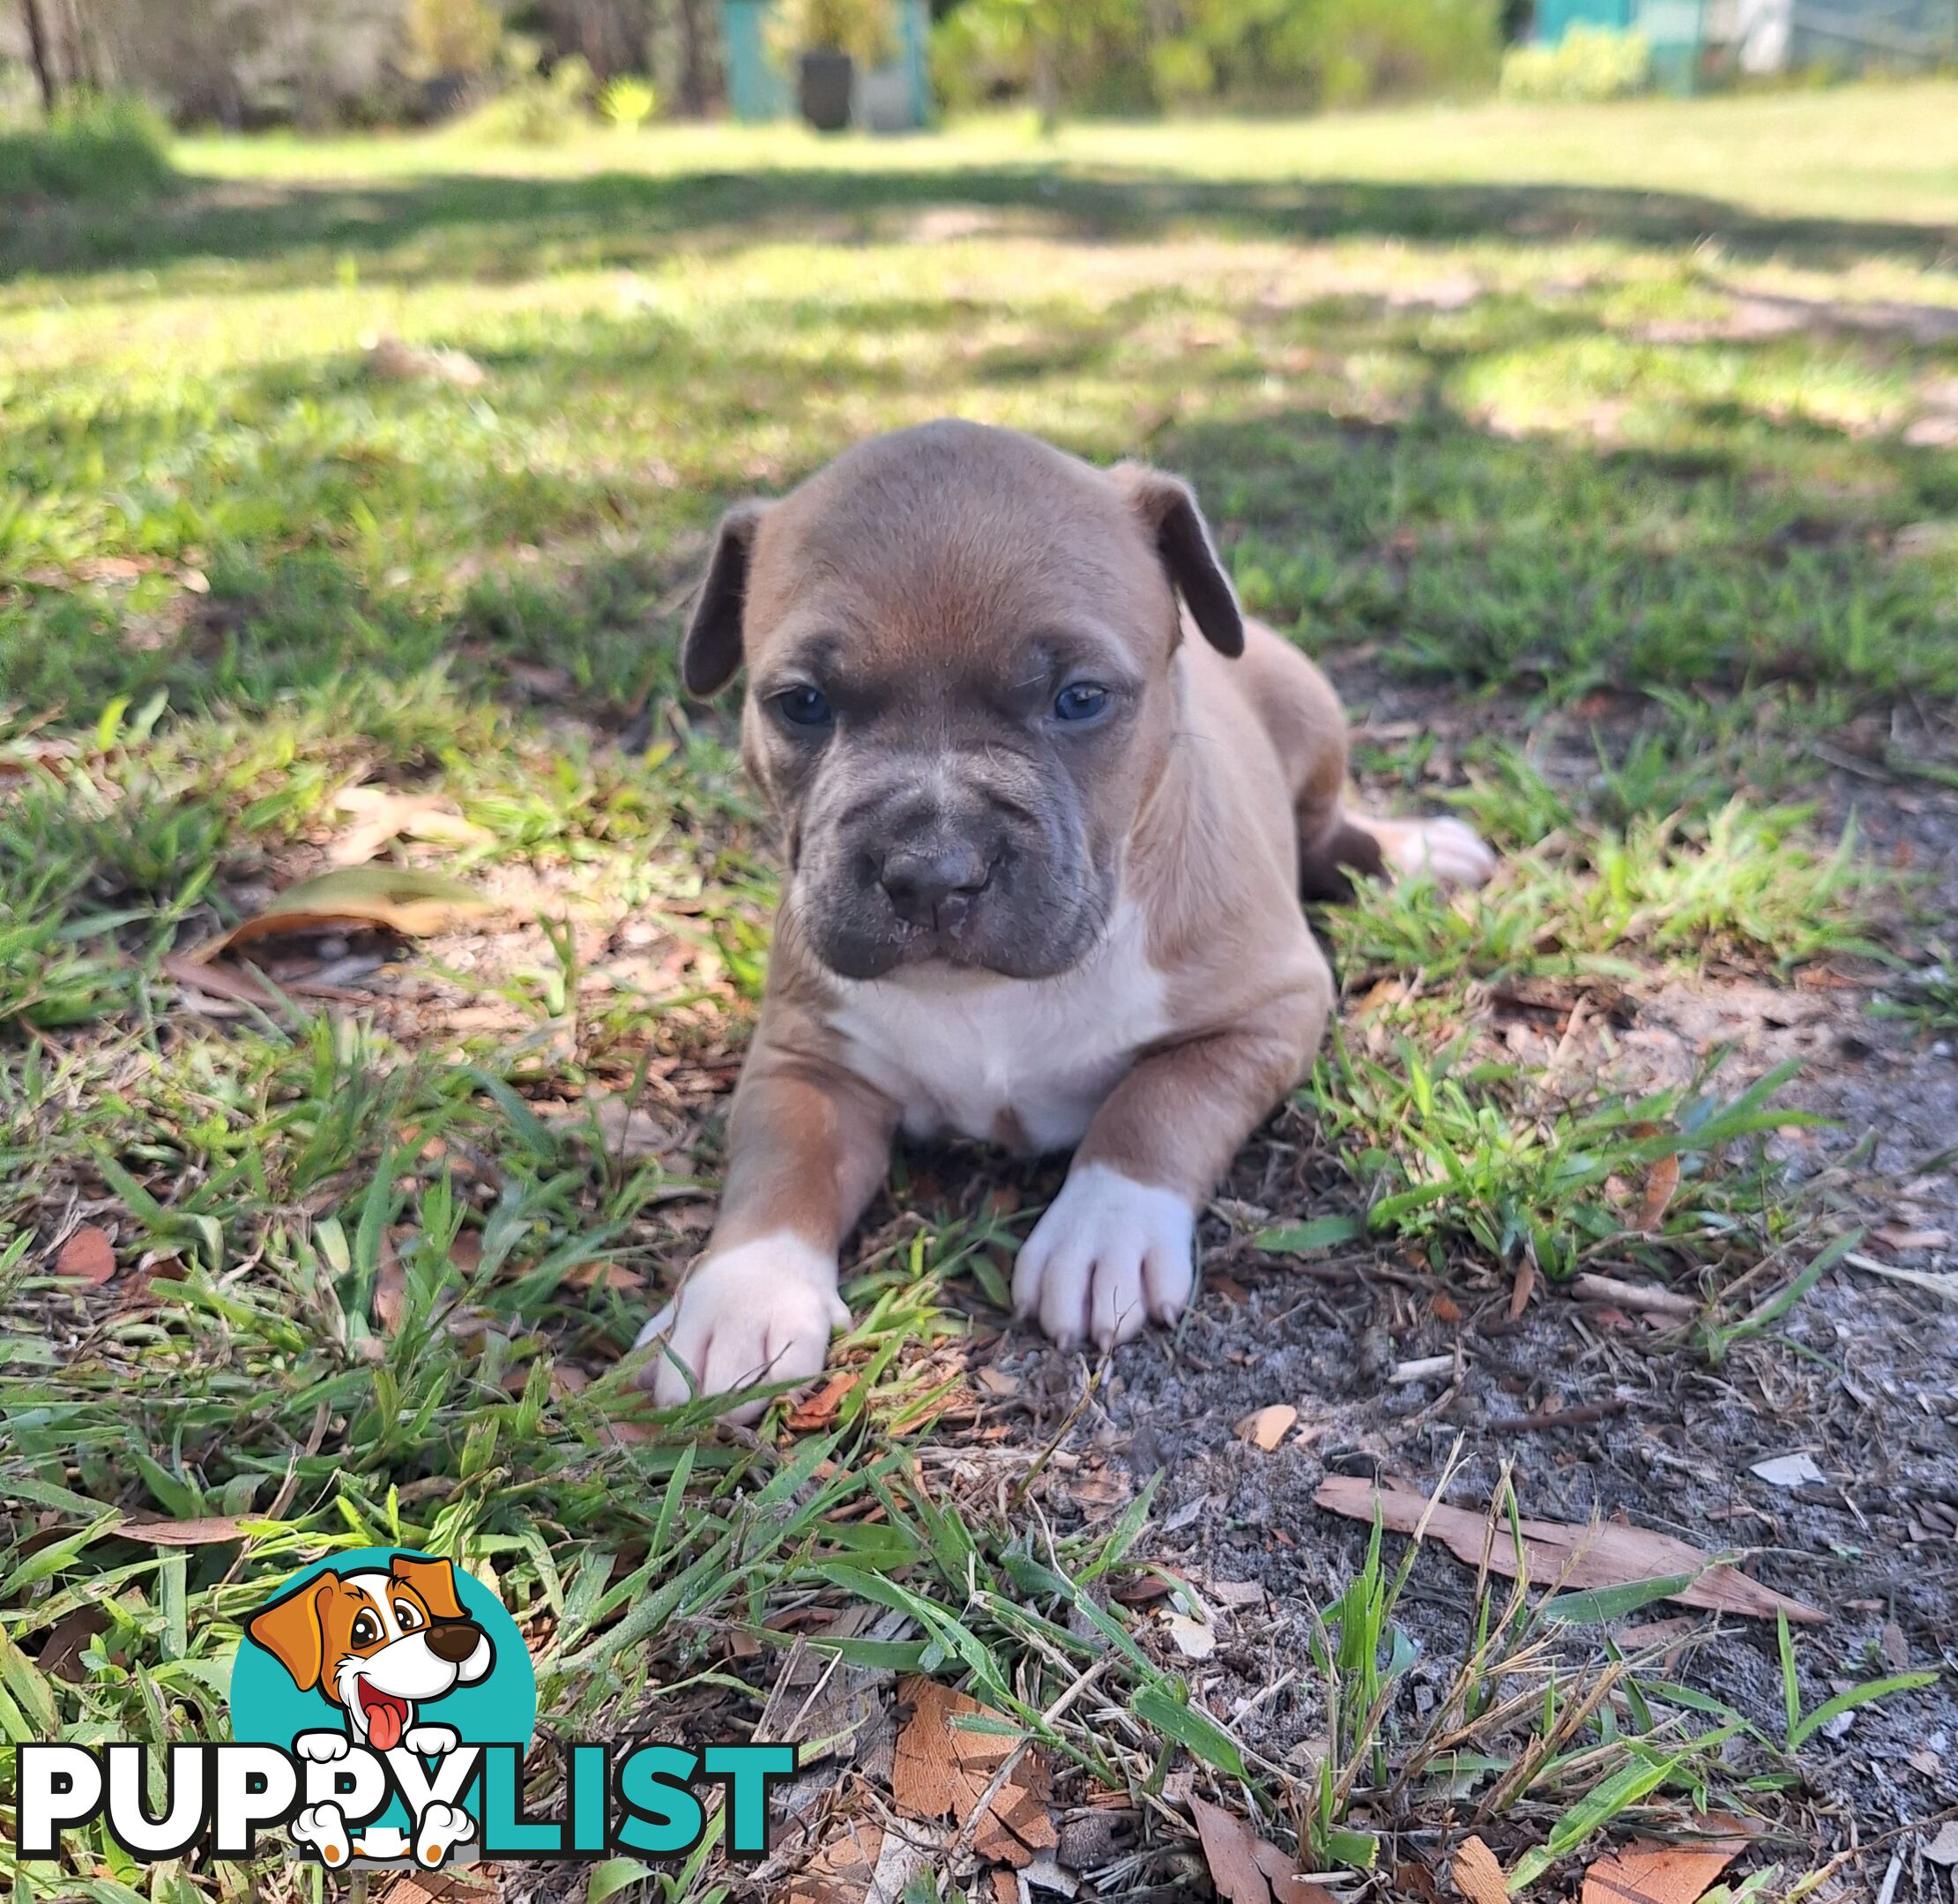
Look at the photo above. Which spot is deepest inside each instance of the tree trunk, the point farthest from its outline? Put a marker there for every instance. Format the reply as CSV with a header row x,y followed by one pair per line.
x,y
693,61
1047,82
75,53
37,49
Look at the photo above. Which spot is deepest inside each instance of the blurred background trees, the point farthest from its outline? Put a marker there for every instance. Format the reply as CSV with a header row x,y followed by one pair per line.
x,y
540,69
320,62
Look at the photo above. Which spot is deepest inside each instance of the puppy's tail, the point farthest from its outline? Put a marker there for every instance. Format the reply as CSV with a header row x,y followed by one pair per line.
x,y
1346,850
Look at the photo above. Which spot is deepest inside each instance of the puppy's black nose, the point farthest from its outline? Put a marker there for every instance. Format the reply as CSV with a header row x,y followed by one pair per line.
x,y
934,883
454,1641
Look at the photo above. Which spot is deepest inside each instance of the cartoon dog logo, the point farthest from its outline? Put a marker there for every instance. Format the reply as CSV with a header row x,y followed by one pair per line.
x,y
381,1645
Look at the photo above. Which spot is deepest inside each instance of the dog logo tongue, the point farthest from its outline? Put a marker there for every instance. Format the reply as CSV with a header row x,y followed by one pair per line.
x,y
387,1717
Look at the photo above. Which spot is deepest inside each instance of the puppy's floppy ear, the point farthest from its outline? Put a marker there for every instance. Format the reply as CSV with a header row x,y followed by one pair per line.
x,y
713,648
435,1580
1170,518
292,1630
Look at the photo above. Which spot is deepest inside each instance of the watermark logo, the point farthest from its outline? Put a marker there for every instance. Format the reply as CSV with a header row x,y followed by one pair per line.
x,y
385,1669
381,1708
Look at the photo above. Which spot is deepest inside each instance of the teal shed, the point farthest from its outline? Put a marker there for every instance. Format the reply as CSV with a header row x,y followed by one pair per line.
x,y
1676,31
758,89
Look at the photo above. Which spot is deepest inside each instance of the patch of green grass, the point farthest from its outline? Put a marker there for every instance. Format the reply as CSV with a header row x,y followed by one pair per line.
x,y
1927,997
90,146
1449,1149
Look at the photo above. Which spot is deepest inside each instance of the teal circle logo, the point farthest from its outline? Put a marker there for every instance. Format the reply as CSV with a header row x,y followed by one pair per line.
x,y
387,1651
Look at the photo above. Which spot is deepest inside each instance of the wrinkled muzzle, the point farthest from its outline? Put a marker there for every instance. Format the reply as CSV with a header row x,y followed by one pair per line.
x,y
973,862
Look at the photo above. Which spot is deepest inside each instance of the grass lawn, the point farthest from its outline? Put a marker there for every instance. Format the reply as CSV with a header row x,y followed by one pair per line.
x,y
1606,459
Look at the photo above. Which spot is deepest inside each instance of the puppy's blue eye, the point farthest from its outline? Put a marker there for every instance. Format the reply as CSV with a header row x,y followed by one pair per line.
x,y
802,706
1080,701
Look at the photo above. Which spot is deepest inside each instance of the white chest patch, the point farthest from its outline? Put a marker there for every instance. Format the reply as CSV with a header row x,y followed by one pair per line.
x,y
1025,1061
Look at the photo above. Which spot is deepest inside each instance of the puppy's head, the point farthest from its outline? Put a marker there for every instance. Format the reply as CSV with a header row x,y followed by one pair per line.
x,y
958,642
377,1644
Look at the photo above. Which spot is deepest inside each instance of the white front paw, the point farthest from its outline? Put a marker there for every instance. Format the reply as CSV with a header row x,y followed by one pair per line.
x,y
438,1831
1110,1255
431,1741
322,1748
324,1829
1446,849
761,1312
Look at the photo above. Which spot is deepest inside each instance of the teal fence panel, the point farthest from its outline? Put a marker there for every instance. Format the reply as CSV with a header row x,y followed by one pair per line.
x,y
757,88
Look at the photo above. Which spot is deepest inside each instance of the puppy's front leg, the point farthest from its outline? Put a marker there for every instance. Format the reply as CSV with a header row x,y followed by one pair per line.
x,y
806,1145
1114,1250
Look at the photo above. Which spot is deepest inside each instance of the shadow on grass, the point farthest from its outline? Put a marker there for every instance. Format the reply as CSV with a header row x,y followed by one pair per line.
x,y
490,227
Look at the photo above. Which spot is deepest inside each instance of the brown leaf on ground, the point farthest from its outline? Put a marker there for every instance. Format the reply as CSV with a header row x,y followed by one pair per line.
x,y
632,1134
1646,1873
1267,1427
1659,1186
61,1652
1248,1868
841,1871
821,1408
1574,1557
608,1275
393,362
414,905
207,1530
1477,1874
242,984
942,1771
1417,1881
390,1281
437,1887
1522,1289
88,1256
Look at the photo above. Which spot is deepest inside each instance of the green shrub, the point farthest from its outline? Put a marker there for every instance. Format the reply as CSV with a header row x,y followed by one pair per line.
x,y
94,146
1588,64
1114,55
538,108
865,29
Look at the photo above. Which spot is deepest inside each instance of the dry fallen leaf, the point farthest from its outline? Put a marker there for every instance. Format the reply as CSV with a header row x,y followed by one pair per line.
x,y
1659,1187
841,1871
608,1275
632,1134
393,362
61,1652
209,1530
1245,1868
821,1408
1606,1554
437,1887
390,1284
1477,1874
88,1256
242,985
414,905
1646,1873
1943,1849
1268,1426
942,1771
383,817
1522,1289
1194,1639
